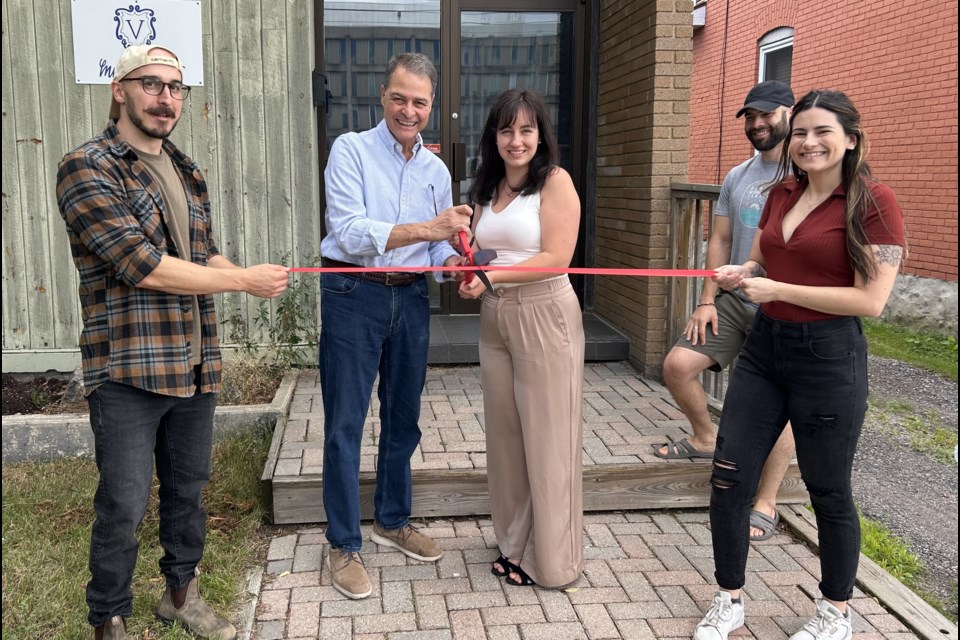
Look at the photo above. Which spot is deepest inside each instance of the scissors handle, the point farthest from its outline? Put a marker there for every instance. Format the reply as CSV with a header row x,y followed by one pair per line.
x,y
468,253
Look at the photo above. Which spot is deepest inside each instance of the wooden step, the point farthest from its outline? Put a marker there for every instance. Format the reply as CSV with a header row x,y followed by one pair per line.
x,y
448,493
623,416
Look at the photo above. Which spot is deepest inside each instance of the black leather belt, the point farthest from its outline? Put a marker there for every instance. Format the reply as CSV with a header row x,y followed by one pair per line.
x,y
388,279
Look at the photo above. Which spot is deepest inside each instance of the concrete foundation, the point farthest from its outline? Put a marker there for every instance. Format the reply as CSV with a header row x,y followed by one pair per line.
x,y
47,437
923,304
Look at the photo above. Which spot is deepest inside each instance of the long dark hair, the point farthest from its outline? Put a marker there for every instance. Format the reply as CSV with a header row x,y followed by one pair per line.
x,y
856,173
510,105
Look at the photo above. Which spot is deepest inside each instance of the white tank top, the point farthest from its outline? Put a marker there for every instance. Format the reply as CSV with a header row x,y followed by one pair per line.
x,y
514,233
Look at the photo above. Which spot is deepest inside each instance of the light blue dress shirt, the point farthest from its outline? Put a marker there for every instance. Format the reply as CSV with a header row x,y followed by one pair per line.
x,y
371,187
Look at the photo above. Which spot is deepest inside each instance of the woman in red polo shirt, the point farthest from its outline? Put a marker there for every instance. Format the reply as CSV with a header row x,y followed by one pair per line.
x,y
828,252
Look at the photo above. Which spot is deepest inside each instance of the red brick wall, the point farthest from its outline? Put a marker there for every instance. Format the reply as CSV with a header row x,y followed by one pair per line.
x,y
642,131
896,60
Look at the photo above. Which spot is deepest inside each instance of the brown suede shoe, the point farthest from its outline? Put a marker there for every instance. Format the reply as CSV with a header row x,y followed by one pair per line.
x,y
349,574
409,541
195,614
114,629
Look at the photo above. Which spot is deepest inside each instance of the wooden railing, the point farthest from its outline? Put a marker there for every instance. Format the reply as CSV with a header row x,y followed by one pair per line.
x,y
691,223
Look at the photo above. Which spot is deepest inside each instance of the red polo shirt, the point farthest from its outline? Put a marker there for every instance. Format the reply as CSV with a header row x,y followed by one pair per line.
x,y
816,254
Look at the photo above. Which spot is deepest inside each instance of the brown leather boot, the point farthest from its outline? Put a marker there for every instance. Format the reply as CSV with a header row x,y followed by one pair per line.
x,y
114,629
194,614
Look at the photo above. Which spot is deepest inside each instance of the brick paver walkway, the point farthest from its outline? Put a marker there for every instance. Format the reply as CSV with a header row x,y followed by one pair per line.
x,y
623,416
647,574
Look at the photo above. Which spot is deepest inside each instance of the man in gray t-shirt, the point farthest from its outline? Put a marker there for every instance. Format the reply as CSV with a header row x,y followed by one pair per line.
x,y
729,315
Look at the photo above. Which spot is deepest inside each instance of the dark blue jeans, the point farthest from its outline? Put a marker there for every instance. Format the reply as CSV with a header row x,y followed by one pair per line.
x,y
370,328
132,428
814,375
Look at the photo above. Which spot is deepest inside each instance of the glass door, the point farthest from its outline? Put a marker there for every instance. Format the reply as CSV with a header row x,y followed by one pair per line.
x,y
481,48
499,46
500,51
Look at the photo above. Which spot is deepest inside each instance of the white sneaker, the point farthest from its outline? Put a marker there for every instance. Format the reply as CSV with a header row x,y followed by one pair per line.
x,y
828,624
724,616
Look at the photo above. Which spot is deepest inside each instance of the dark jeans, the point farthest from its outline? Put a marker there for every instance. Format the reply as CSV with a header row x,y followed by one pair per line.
x,y
814,375
370,328
131,429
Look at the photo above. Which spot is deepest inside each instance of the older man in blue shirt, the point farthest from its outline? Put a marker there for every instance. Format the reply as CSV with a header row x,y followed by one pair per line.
x,y
384,191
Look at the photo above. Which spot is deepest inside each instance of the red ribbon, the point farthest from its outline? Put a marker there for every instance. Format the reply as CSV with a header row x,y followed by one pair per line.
x,y
589,271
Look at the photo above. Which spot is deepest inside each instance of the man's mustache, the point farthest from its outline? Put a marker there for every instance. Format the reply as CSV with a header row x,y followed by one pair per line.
x,y
162,111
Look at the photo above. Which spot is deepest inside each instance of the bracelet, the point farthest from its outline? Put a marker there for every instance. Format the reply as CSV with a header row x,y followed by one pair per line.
x,y
706,304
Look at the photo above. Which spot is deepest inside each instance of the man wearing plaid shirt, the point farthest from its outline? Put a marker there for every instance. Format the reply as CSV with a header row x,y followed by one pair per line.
x,y
138,218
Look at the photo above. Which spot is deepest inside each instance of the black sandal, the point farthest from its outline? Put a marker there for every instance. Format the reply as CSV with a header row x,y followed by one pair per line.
x,y
524,581
506,564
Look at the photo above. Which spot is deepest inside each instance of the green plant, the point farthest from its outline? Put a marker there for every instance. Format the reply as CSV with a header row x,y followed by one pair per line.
x,y
39,399
294,323
952,603
236,332
888,551
924,430
925,350
928,435
287,334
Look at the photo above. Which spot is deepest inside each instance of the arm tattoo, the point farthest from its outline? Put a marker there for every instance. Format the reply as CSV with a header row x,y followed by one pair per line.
x,y
757,271
888,254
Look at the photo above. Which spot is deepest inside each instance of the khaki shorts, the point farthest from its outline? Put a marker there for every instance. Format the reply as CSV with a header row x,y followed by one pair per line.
x,y
734,319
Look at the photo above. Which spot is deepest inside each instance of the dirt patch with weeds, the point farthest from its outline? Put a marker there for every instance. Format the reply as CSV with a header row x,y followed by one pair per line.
x,y
39,394
246,380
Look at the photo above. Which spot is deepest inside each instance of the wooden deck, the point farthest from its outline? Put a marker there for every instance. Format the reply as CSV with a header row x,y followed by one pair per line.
x,y
623,416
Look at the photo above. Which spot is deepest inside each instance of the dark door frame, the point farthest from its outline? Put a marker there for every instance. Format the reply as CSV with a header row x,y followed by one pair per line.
x,y
450,99
450,10
450,72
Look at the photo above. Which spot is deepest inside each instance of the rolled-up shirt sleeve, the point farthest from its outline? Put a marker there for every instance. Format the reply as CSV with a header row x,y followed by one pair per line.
x,y
356,233
440,252
103,215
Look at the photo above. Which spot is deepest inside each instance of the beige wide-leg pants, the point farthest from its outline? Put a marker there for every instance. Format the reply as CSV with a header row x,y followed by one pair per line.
x,y
531,361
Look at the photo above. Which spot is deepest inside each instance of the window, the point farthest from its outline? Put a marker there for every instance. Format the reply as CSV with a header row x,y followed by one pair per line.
x,y
776,55
699,13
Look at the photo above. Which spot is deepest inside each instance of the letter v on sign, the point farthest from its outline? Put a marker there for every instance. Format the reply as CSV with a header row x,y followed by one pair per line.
x,y
135,32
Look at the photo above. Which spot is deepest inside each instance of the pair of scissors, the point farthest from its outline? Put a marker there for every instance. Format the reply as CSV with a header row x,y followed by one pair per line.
x,y
478,259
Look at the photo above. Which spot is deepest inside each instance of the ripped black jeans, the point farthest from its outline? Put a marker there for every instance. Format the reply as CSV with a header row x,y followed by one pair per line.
x,y
813,374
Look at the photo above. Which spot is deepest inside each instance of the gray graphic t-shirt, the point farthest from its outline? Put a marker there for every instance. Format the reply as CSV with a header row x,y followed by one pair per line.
x,y
742,196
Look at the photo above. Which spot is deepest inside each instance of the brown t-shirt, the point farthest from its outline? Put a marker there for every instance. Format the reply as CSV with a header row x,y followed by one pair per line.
x,y
175,214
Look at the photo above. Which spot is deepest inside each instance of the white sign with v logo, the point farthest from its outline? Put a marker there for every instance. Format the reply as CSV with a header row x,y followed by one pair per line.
x,y
102,29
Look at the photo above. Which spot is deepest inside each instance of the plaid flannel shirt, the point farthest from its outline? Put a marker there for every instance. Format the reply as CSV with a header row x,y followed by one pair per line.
x,y
114,215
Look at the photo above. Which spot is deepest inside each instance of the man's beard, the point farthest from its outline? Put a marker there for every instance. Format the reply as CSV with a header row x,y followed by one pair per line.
x,y
152,132
778,134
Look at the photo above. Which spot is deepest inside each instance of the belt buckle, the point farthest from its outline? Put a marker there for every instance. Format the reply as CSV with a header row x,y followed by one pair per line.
x,y
387,276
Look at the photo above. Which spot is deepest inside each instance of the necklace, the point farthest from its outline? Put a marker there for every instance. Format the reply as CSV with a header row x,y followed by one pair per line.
x,y
509,190
812,203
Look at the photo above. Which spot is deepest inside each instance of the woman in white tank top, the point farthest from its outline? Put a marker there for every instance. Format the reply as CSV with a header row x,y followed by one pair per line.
x,y
531,345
